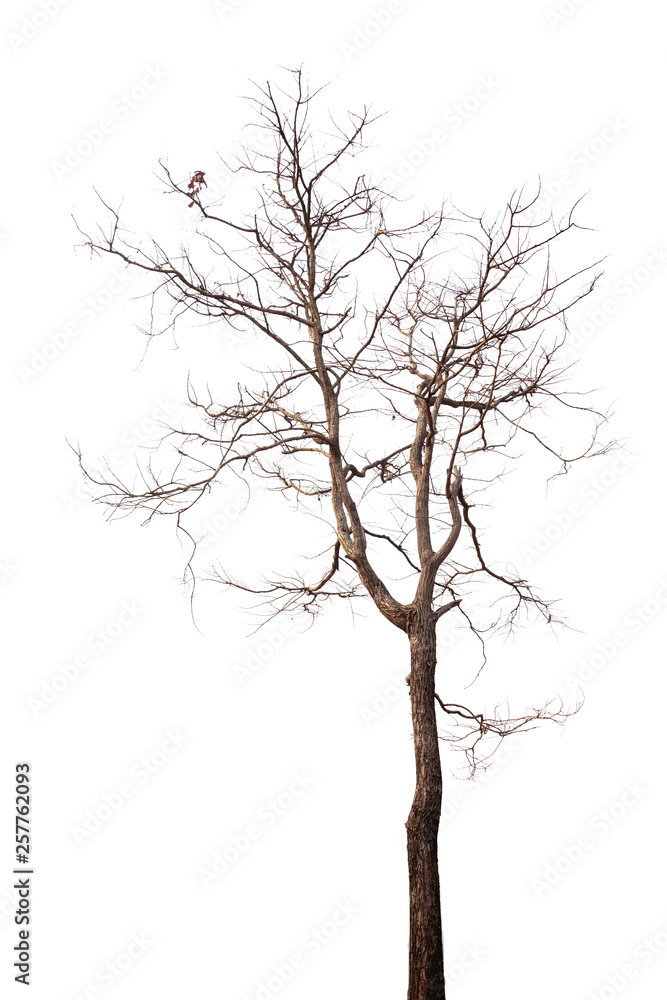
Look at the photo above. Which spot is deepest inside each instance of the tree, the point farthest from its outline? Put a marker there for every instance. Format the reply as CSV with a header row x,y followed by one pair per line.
x,y
400,361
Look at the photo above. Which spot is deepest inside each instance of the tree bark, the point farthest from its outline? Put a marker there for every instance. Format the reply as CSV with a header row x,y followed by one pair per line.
x,y
426,975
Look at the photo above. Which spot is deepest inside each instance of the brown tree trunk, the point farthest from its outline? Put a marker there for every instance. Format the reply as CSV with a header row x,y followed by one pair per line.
x,y
426,975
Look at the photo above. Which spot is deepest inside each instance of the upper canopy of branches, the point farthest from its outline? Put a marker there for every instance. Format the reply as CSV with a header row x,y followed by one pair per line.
x,y
401,359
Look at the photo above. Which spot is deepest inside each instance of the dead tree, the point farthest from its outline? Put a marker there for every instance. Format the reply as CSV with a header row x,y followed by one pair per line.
x,y
401,362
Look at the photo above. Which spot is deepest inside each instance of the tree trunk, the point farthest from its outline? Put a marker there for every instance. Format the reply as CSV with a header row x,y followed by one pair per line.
x,y
426,976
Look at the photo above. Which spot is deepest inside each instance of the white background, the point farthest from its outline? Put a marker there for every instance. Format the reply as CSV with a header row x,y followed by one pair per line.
x,y
326,704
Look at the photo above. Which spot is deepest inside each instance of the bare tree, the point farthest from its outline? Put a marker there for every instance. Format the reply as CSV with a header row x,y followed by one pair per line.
x,y
401,361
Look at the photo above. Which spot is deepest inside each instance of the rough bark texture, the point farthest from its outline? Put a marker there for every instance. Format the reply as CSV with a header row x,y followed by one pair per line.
x,y
426,975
